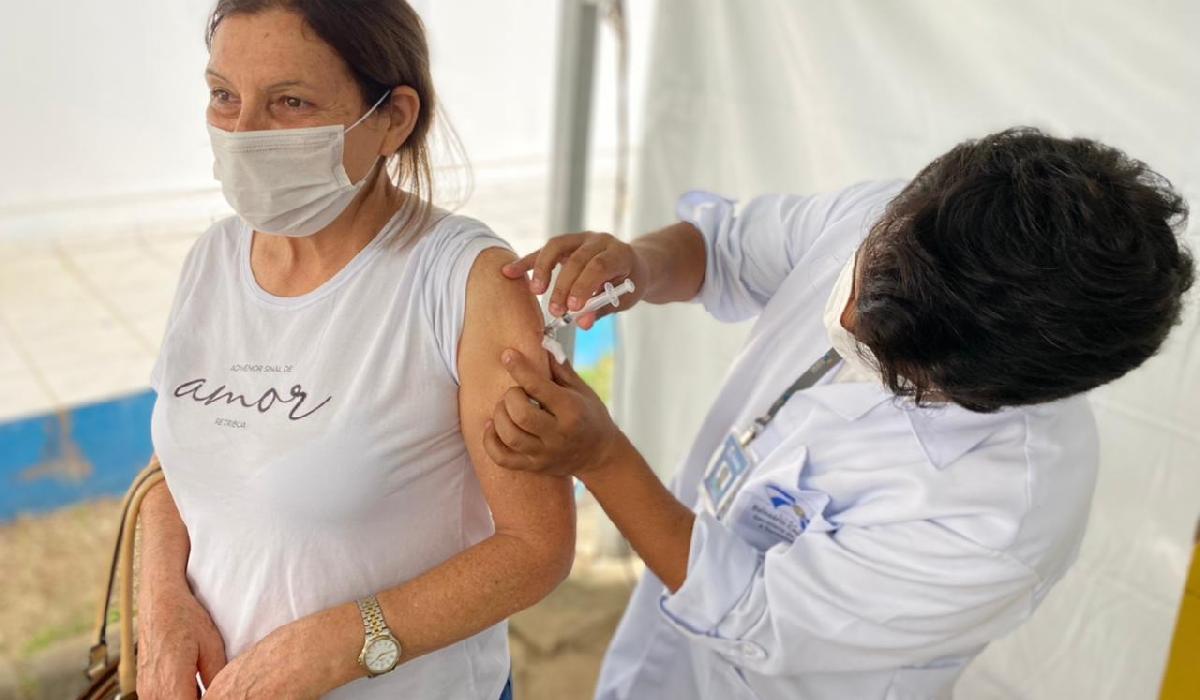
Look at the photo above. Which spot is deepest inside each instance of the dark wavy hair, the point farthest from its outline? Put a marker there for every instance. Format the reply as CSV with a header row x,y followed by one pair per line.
x,y
1021,268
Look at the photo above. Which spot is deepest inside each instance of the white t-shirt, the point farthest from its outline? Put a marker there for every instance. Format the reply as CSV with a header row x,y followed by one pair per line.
x,y
312,443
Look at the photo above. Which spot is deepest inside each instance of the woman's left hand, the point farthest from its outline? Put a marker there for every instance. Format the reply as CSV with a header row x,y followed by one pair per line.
x,y
567,432
276,667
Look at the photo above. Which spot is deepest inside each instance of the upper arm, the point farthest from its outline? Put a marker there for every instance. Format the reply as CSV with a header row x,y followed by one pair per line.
x,y
751,251
501,313
744,252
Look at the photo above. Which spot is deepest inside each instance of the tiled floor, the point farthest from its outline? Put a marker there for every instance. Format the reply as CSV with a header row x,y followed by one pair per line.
x,y
82,315
80,319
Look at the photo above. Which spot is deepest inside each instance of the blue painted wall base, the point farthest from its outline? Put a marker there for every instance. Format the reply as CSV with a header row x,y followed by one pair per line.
x,y
92,450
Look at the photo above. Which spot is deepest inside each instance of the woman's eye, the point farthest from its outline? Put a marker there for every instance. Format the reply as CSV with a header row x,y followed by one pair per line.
x,y
294,102
221,100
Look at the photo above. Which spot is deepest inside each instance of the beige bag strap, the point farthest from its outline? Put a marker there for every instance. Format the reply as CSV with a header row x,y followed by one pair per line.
x,y
121,568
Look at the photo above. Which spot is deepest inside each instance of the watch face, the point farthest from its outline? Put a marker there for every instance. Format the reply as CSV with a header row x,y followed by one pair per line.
x,y
381,655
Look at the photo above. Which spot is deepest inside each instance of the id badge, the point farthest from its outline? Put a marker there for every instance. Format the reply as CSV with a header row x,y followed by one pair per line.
x,y
725,474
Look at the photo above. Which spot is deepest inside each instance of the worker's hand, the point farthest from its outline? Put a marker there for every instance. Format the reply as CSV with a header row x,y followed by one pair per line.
x,y
589,260
567,432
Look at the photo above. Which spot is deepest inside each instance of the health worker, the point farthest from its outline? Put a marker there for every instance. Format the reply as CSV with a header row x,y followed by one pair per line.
x,y
899,464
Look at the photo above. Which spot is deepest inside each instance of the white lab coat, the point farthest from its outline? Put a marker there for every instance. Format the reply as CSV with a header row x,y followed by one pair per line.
x,y
926,533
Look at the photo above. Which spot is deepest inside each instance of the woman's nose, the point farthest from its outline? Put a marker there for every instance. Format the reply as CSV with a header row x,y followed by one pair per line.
x,y
252,117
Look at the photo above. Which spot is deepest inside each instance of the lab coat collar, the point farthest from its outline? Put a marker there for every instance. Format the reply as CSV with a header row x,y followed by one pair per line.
x,y
850,400
945,432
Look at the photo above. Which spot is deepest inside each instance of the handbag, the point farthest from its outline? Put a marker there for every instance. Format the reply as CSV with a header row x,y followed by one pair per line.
x,y
112,676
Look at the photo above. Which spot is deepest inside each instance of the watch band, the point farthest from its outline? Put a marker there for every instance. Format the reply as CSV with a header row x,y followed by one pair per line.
x,y
372,617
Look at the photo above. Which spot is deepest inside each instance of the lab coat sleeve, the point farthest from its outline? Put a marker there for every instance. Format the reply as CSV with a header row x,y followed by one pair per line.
x,y
749,253
856,599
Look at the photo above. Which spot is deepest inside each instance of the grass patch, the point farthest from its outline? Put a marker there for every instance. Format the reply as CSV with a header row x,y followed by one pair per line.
x,y
48,636
600,376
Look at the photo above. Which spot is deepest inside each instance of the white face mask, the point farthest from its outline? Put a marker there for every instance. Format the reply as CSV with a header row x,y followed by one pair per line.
x,y
286,181
843,341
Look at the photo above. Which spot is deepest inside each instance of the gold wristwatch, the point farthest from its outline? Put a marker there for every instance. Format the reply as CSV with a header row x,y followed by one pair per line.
x,y
381,650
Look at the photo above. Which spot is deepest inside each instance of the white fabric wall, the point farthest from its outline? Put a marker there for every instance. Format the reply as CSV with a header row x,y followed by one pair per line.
x,y
104,105
746,97
102,100
108,99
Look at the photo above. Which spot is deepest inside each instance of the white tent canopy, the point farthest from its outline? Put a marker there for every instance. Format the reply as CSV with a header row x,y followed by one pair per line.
x,y
749,97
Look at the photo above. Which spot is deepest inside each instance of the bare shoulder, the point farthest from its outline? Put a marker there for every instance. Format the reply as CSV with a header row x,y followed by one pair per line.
x,y
501,313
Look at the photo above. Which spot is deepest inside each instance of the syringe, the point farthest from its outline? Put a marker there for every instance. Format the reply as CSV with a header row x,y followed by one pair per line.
x,y
606,298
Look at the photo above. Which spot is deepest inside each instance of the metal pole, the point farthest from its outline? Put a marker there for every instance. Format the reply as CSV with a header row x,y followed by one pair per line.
x,y
577,30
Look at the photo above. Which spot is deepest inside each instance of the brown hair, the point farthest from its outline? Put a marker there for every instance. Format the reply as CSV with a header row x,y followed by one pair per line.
x,y
383,43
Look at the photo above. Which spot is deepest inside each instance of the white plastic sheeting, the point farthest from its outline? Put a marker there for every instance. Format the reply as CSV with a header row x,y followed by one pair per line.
x,y
747,97
105,111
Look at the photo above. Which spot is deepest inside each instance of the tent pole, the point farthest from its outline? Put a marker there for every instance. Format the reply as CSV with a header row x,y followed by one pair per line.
x,y
578,29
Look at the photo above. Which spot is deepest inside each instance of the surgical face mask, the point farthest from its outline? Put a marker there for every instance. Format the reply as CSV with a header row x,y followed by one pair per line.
x,y
286,181
843,341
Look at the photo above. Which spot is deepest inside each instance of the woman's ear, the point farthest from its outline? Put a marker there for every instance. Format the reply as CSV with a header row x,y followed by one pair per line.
x,y
404,108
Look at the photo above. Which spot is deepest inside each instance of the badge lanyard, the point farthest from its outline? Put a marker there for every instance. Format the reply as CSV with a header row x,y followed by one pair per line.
x,y
731,465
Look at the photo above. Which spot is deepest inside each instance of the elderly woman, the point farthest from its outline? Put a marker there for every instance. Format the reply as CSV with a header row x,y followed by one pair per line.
x,y
331,357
